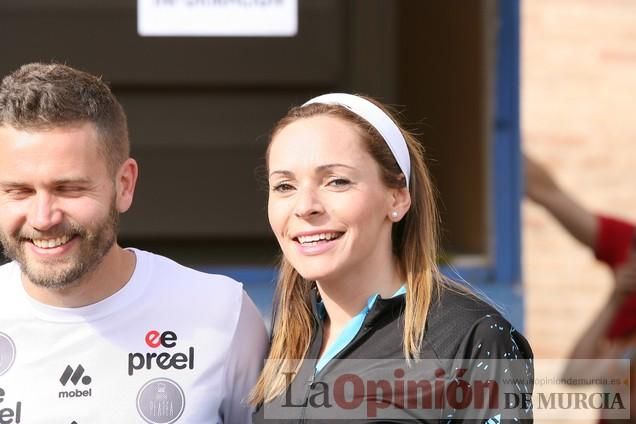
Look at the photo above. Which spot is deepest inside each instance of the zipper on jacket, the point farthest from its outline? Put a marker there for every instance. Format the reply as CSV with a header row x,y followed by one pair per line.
x,y
310,382
353,341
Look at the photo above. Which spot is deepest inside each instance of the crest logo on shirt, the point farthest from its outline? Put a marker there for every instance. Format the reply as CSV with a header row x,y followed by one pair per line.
x,y
166,359
7,353
160,401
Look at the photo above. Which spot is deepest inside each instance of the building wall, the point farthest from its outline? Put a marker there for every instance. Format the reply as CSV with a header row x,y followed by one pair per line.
x,y
578,106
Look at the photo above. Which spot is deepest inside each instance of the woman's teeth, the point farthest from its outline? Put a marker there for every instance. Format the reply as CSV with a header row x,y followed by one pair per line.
x,y
317,237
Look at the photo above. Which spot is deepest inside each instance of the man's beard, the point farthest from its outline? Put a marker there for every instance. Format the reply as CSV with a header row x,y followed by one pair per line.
x,y
58,273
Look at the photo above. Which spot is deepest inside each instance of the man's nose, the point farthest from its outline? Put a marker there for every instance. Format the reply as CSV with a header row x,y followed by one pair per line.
x,y
44,213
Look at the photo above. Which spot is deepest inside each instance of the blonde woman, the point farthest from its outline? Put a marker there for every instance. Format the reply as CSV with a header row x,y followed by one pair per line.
x,y
362,310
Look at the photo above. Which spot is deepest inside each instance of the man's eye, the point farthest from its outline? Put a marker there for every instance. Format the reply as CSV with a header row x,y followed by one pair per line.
x,y
65,189
69,190
18,192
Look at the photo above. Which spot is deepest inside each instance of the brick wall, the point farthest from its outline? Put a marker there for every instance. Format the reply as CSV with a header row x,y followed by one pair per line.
x,y
579,118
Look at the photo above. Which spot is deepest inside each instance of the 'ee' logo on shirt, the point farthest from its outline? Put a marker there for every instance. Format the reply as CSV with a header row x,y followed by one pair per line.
x,y
166,339
164,360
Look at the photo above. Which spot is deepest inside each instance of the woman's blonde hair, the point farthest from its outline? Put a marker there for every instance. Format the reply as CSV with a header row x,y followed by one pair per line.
x,y
415,244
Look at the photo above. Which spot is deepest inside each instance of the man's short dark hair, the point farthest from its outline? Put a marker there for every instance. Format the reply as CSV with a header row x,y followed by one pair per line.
x,y
41,96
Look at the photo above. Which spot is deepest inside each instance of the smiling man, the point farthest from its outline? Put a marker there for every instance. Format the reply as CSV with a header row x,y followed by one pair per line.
x,y
90,331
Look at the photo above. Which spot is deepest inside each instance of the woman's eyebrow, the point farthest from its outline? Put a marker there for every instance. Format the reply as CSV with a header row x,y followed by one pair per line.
x,y
281,172
334,165
320,168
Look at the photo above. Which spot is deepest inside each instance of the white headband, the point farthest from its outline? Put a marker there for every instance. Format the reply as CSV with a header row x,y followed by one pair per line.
x,y
378,119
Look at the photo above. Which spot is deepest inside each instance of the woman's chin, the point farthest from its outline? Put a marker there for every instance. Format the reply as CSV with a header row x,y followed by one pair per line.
x,y
312,274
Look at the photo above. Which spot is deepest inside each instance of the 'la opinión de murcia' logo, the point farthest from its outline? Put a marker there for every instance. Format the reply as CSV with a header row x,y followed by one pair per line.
x,y
9,414
163,360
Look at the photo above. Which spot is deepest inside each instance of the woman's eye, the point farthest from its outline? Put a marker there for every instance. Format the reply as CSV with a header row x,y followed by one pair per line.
x,y
339,182
282,187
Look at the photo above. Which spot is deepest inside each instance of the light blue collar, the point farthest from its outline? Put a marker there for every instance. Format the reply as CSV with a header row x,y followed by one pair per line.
x,y
350,329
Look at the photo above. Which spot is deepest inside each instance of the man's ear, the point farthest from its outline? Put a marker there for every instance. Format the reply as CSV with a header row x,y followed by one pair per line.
x,y
125,182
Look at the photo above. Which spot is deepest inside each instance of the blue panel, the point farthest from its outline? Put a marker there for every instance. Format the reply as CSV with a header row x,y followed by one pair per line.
x,y
506,157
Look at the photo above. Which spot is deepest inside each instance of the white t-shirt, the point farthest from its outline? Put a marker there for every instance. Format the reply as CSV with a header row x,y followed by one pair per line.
x,y
173,345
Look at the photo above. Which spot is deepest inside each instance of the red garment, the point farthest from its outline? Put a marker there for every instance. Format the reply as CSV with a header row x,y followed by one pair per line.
x,y
614,240
613,245
624,321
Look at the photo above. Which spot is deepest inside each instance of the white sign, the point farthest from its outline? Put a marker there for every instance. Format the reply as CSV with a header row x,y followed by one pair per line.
x,y
217,18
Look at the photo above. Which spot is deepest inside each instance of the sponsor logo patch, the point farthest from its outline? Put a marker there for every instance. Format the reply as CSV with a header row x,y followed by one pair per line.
x,y
160,401
7,353
74,377
9,413
164,360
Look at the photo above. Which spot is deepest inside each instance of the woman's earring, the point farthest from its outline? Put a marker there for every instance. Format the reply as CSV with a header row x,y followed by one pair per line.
x,y
394,215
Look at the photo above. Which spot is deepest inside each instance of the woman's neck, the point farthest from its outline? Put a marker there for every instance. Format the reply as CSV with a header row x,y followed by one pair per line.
x,y
344,297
